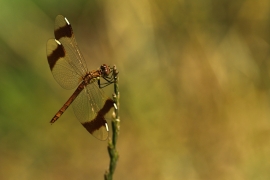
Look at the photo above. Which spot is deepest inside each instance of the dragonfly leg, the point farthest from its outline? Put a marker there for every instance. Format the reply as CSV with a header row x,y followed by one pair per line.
x,y
107,83
109,80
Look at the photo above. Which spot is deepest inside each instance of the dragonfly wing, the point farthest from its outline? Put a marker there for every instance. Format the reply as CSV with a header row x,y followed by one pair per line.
x,y
59,62
87,107
63,32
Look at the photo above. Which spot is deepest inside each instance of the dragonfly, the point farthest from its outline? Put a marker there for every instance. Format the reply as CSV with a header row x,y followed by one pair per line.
x,y
69,69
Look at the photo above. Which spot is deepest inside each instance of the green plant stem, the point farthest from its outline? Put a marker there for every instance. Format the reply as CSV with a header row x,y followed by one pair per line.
x,y
115,130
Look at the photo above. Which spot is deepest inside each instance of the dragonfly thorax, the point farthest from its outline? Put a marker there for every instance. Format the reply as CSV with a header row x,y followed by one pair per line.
x,y
90,77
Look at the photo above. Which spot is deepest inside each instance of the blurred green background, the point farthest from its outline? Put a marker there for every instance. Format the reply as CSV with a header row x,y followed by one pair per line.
x,y
194,84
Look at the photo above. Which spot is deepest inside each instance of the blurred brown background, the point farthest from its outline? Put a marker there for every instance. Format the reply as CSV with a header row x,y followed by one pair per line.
x,y
194,84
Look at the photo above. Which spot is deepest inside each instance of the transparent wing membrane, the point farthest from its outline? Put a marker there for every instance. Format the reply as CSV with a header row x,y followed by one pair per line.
x,y
61,68
64,33
81,107
86,107
75,58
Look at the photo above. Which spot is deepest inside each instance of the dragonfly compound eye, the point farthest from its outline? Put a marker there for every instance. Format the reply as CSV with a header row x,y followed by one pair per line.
x,y
105,70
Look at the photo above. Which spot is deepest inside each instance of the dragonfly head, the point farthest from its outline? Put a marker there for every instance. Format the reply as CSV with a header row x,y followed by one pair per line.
x,y
105,70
